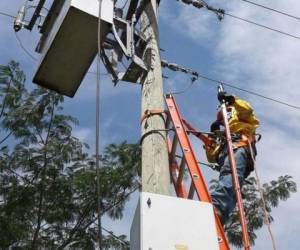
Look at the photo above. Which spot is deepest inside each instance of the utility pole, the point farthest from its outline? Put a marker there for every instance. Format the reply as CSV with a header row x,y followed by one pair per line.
x,y
155,163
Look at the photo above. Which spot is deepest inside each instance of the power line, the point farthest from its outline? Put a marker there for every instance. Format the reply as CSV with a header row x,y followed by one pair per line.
x,y
203,76
7,15
249,92
262,26
178,68
221,13
271,9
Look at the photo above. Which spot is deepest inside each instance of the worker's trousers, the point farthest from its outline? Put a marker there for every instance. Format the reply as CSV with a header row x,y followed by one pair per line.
x,y
223,196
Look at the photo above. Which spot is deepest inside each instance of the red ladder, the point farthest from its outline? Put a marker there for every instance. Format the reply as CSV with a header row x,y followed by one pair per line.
x,y
188,161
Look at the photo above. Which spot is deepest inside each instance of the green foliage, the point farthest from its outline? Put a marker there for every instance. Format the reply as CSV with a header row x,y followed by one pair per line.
x,y
47,181
274,192
118,243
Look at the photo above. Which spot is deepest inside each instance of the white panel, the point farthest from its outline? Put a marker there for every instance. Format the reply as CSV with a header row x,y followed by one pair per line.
x,y
170,223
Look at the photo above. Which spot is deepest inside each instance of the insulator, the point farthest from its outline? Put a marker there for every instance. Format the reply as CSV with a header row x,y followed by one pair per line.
x,y
198,4
187,1
19,20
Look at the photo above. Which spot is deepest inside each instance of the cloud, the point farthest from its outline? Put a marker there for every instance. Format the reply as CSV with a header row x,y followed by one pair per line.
x,y
188,21
265,62
83,134
251,57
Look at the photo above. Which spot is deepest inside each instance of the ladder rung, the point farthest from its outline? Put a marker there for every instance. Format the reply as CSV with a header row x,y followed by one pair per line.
x,y
174,146
192,191
181,171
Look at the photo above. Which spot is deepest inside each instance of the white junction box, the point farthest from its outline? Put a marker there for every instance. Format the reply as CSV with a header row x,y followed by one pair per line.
x,y
171,223
69,42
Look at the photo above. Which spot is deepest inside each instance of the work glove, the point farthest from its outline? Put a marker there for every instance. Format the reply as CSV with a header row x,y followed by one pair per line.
x,y
224,97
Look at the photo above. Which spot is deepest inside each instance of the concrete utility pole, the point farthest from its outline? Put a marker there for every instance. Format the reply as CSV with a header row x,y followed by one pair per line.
x,y
155,163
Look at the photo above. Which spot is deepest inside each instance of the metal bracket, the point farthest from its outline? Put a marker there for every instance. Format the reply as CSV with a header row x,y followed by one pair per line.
x,y
128,42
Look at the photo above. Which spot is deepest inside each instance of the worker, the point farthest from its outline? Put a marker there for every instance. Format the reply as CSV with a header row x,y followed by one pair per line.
x,y
242,124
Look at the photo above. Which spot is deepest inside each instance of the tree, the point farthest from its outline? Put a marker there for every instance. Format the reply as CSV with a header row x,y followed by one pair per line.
x,y
47,180
273,192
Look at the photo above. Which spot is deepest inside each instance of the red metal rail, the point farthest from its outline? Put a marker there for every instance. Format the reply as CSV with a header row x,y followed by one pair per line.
x,y
188,161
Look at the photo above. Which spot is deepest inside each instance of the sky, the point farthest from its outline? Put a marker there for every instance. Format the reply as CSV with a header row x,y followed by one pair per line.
x,y
232,51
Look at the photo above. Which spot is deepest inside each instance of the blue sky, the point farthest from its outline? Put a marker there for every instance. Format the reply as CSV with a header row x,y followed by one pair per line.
x,y
234,51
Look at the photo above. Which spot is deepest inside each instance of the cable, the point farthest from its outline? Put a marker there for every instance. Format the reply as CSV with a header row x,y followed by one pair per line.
x,y
250,92
178,68
271,9
262,26
221,13
7,15
193,79
24,49
199,4
98,128
264,206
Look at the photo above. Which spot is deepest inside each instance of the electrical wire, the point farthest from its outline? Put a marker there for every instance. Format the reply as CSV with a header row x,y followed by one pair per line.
x,y
271,9
7,15
186,89
221,13
249,92
262,26
178,68
98,128
23,47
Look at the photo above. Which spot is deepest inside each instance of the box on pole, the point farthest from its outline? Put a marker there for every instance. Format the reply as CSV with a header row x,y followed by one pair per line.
x,y
165,222
68,44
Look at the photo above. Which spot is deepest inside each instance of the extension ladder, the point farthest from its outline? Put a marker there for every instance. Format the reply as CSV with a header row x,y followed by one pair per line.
x,y
175,122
